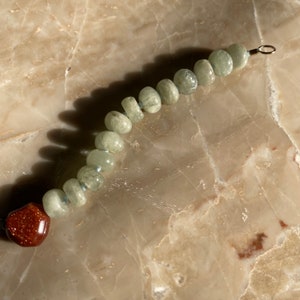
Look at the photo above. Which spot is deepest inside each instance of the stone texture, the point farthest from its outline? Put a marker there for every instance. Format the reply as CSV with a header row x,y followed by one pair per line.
x,y
204,202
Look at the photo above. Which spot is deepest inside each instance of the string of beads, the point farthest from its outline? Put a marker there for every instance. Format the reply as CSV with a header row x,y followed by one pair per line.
x,y
29,225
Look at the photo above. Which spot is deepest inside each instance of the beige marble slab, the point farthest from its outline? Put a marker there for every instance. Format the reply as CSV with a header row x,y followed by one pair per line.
x,y
204,201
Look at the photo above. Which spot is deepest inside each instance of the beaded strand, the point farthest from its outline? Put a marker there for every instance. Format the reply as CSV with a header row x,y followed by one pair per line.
x,y
29,225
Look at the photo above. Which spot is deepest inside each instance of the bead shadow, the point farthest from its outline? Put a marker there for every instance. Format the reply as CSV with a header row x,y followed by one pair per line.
x,y
66,154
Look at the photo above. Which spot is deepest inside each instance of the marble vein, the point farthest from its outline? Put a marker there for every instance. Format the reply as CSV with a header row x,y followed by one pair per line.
x,y
275,105
74,48
23,276
257,21
205,147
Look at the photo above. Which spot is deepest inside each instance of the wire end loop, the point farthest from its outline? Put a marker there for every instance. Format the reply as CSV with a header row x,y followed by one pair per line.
x,y
263,49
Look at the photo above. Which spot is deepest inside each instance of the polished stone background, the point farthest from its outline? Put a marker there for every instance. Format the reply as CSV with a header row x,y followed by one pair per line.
x,y
204,202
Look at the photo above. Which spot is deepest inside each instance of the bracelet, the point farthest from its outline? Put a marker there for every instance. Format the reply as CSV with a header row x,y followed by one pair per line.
x,y
29,225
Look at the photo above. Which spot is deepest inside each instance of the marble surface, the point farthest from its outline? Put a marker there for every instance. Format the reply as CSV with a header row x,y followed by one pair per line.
x,y
204,201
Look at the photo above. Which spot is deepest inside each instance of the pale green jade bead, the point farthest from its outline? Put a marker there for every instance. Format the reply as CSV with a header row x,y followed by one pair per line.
x,y
100,159
90,178
117,122
239,55
168,91
109,140
55,203
132,109
221,62
149,100
74,192
186,81
204,72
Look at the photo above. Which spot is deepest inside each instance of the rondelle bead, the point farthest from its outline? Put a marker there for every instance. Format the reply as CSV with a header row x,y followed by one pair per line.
x,y
186,81
55,203
100,159
90,178
132,109
74,192
110,141
221,62
149,100
28,226
239,55
168,91
204,72
117,122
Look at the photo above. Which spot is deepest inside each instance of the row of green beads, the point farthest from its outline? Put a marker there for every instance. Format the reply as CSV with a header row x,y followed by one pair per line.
x,y
219,63
56,202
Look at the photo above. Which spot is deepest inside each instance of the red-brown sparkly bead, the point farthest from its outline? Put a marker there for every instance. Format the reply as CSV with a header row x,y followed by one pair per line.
x,y
28,226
